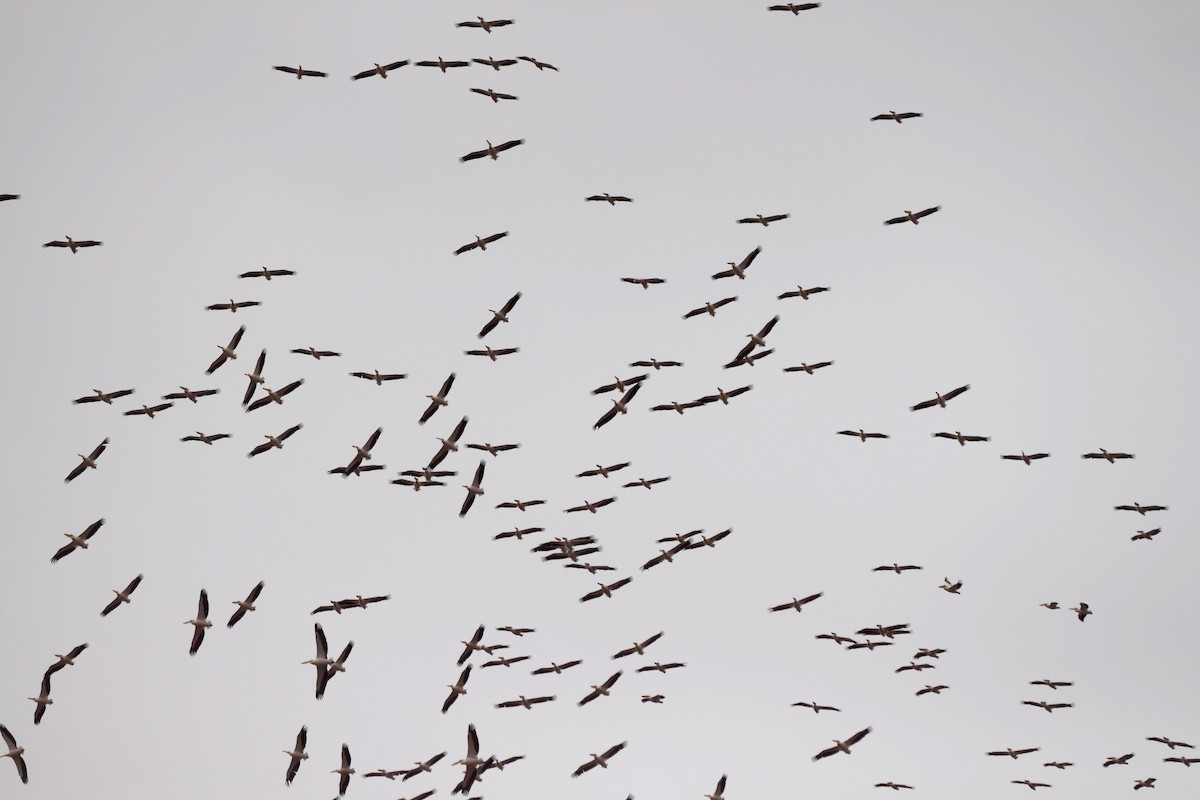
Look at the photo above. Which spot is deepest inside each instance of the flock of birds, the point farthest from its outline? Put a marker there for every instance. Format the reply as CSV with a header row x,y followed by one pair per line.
x,y
574,551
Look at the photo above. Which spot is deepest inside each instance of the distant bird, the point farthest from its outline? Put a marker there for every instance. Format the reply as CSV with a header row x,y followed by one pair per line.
x,y
472,646
378,378
390,774
301,73
148,411
481,242
1111,458
484,24
499,316
896,568
1028,459
705,541
912,216
525,702
541,65
913,666
961,438
817,707
795,8
438,400
494,63
297,755
233,305
344,772
1139,508
379,69
803,293
1144,783
227,351
899,118
603,471
797,603
925,652
759,339
652,698
518,632
723,396
122,596
256,377
646,482
892,785
68,660
42,700
492,151
80,541
809,368
598,760
15,753
356,469
1051,684
869,645
493,354
759,219
459,687
315,353
658,365
1162,740
1112,761
200,624
1082,611
638,647
605,590
449,445
835,638
6,197
709,308
274,396
520,505
556,668
940,400
1049,707
719,792
275,441
103,397
951,587
611,199
842,747
748,359
442,64
591,506
1014,754
244,606
1187,762
645,283
1051,606
931,689
502,661
1147,535
267,273
493,449
619,406
495,96
664,555
73,245
1058,764
863,435
1033,785
620,384
88,461
739,269
423,766
190,394
676,406
354,602
473,490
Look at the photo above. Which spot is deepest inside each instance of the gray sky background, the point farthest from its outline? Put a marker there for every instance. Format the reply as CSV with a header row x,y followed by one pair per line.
x,y
1058,280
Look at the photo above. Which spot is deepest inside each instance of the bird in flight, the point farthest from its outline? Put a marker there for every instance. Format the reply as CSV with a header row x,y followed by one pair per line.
x,y
88,461
80,541
473,490
619,406
492,151
759,219
377,377
645,283
899,118
275,441
940,400
200,624
598,759
267,273
438,400
379,69
485,25
296,755
842,747
1028,459
227,351
122,596
481,242
912,216
499,316
74,245
301,73
246,606
495,96
103,397
739,269
611,199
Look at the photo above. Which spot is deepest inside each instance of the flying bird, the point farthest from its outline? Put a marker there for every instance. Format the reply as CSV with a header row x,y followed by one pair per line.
x,y
619,406
15,753
267,273
244,606
495,63
122,596
493,354
74,542
379,69
739,269
1111,458
899,118
6,197
378,378
495,96
485,25
315,353
809,368
842,747
591,506
525,702
961,438
761,220
1013,754
951,587
541,65
658,365
438,400
42,700
1167,741
795,8
598,760
797,603
912,216
473,490
68,660
1139,508
274,396
1033,785
604,590
493,449
190,394
227,351
148,411
344,772
611,199
200,624
1049,707
1082,611
646,482
896,568
603,471
481,242
449,445
816,707
103,397
457,688
709,308
492,151
442,64
723,396
940,399
1147,535
232,305
1051,684
297,755
275,441
1112,761
1028,459
499,316
620,384
301,73
88,461
645,283
74,245
931,689
803,293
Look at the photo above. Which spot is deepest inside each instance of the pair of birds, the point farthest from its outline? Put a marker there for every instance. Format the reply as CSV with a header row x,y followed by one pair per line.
x,y
201,622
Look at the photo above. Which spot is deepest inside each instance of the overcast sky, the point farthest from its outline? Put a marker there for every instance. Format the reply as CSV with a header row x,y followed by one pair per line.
x,y
1058,280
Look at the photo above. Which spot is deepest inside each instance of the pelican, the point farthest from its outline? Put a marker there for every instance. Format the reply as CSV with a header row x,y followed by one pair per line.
x,y
232,305
428,474
723,396
646,482
457,688
816,707
473,490
15,753
484,24
495,63
380,69
541,65
1161,739
870,644
892,785
619,406
189,394
1107,456
939,399
611,199
603,471
1144,783
495,96
88,461
599,760
4,197
390,774
912,216
705,541
315,353
719,792
200,623
653,698
493,449
1147,535
739,269
795,8
499,316
472,764
604,590
952,588
913,666
677,406
899,118
896,568
481,242
1033,785
103,397
423,766
748,360
1028,459
842,747
255,377
1051,684
556,668
836,639
1117,760
345,771
297,755
1049,707
442,64
665,555
961,438
148,411
525,702
448,445
1082,611
1059,764
492,151
887,631
493,354
42,700
377,377
502,661
803,293
122,596
438,400
246,605
645,283
275,396
591,506
620,384
275,441
1013,754
1052,606
861,434
1139,508
759,219
335,666
808,368
658,365
80,541
267,273
518,632
73,245
797,603
1187,762
68,660
364,453
931,689
709,308
302,73
227,351
925,652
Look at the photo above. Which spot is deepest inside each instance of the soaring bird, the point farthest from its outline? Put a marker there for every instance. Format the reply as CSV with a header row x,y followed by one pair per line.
x,y
256,377
1165,740
227,351
378,378
1014,754
485,25
122,596
646,482
803,293
842,747
473,490
761,220
363,453
896,568
344,772
809,368
541,65
659,667
148,411
861,434
42,700
1033,784
1028,459
423,766
1117,760
5,197
68,660
645,283
1082,611
457,688
723,396
274,396
951,587
491,353
961,438
232,305
1051,684
1111,458
739,269
495,96
1144,783
665,555
267,273
379,69
620,384
1139,508
525,702
748,360
297,755
591,506
103,397
795,8
190,394
757,339
442,64
604,590
481,242
499,316
80,541
74,245
656,364
88,461
315,353
797,603
940,399
639,647
1049,707
619,406
200,624
912,216
816,707
492,151
438,400
899,118
709,308
449,445
275,441
244,606
301,73
1147,535
892,785
15,753
493,449
611,199
599,760
556,668
931,689
495,63
603,471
